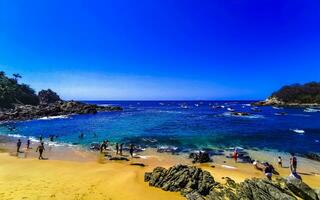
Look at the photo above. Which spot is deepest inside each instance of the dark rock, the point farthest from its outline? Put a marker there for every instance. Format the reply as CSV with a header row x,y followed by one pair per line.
x,y
196,184
300,189
138,164
48,96
119,158
27,112
240,113
181,178
201,157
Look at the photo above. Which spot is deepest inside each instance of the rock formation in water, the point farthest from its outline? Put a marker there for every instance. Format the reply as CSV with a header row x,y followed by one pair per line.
x,y
197,184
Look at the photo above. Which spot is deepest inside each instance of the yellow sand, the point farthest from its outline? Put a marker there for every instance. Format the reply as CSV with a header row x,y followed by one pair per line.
x,y
30,178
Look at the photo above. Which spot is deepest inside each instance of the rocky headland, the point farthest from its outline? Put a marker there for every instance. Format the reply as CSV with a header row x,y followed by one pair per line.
x,y
20,102
197,184
296,95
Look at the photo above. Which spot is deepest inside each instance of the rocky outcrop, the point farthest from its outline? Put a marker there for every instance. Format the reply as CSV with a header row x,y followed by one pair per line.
x,y
201,157
300,189
197,184
181,178
27,112
48,96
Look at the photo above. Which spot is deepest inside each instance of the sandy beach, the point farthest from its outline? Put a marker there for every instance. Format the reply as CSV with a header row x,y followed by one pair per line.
x,y
73,173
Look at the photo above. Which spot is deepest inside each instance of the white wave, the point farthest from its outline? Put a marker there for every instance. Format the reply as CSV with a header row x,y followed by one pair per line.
x,y
298,131
277,108
317,141
54,117
16,136
246,104
311,110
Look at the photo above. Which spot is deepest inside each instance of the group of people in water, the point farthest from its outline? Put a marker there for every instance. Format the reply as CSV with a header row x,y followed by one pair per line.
x,y
119,148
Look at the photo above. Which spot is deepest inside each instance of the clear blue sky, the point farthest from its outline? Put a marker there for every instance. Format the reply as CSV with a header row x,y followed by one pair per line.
x,y
165,49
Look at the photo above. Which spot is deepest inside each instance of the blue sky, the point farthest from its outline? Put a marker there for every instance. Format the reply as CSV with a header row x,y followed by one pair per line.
x,y
164,49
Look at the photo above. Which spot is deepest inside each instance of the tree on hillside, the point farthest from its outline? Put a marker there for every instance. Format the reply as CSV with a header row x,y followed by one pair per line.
x,y
16,76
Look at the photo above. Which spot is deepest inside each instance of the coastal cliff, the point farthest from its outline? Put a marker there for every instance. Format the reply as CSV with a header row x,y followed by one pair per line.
x,y
306,95
20,102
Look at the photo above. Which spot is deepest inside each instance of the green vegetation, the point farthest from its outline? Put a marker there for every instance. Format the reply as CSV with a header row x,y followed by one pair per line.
x,y
308,93
11,92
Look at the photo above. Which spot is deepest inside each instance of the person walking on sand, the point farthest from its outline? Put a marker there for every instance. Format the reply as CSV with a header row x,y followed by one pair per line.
x,y
40,149
121,148
28,144
117,148
280,161
131,150
18,145
235,155
293,163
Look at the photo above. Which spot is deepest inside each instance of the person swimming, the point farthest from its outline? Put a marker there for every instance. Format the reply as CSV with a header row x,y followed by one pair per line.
x,y
81,136
40,148
18,145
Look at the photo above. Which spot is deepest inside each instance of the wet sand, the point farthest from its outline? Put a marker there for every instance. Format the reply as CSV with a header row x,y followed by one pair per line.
x,y
72,173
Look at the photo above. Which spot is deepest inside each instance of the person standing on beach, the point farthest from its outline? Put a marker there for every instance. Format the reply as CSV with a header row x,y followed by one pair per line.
x,y
293,163
40,149
18,145
117,148
28,144
131,150
235,155
121,148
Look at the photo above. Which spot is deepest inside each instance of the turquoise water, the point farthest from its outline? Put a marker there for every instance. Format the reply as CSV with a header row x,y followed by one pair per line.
x,y
184,124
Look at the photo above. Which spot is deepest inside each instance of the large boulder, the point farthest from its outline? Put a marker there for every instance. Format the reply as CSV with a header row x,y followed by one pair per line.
x,y
48,96
182,178
300,189
201,157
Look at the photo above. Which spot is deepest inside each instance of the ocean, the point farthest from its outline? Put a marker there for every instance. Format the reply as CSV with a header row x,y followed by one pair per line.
x,y
184,125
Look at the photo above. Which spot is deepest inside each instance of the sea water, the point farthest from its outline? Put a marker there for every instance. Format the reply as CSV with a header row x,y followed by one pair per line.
x,y
186,125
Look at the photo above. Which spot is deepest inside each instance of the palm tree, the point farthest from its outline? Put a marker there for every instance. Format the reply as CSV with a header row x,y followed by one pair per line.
x,y
16,76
